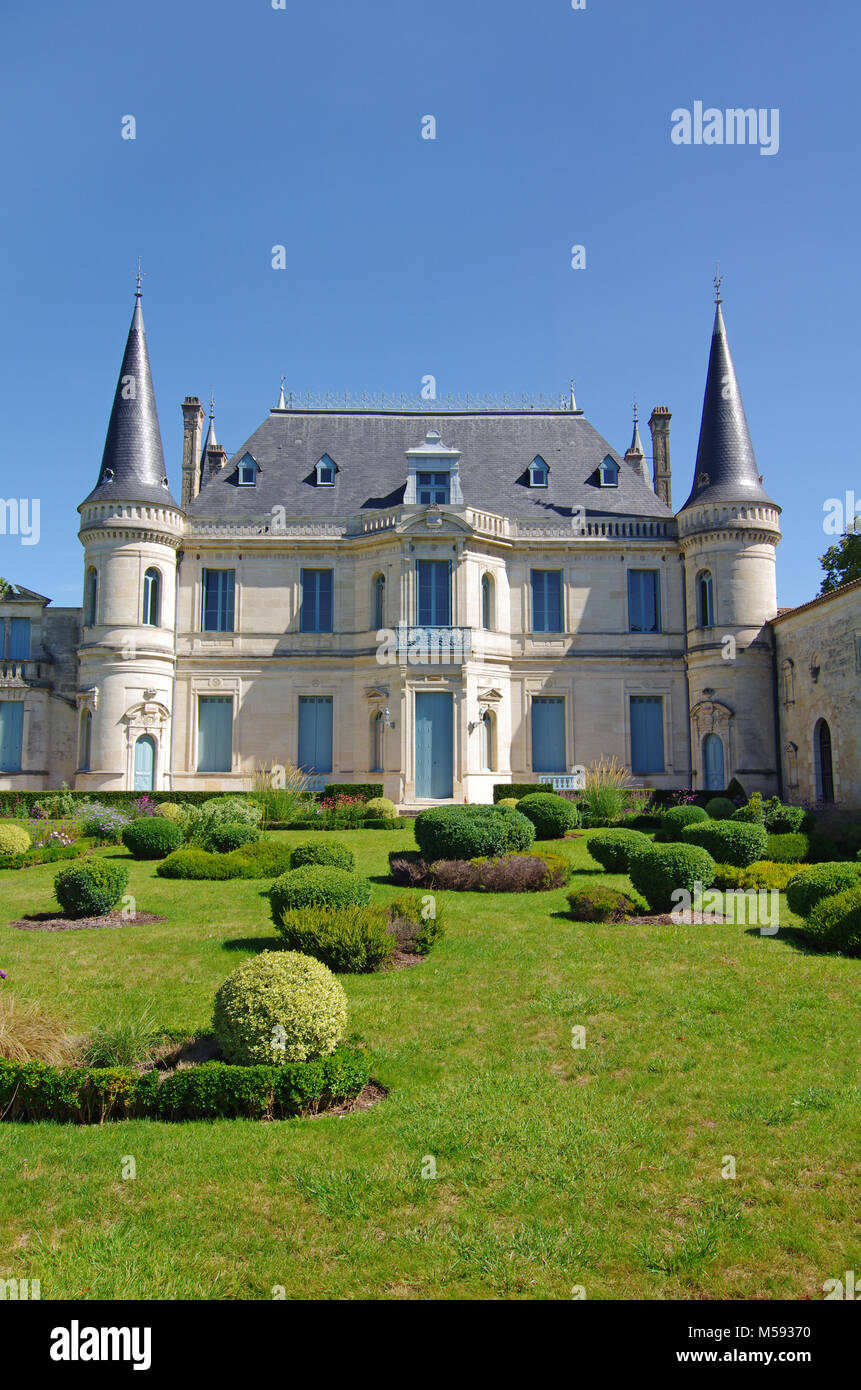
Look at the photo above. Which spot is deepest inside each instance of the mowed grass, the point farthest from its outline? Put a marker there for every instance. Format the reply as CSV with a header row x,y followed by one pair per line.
x,y
555,1167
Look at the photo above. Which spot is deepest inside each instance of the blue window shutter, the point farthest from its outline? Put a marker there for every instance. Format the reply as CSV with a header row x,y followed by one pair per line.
x,y
19,639
647,734
218,600
554,601
434,593
539,606
325,604
548,734
546,601
713,763
316,611
11,735
315,733
644,607
214,733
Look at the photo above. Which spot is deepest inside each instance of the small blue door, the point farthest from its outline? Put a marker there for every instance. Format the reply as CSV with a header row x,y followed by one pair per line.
x,y
713,762
144,764
434,747
315,733
548,734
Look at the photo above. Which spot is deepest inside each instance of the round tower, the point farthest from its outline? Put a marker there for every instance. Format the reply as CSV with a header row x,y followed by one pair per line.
x,y
728,530
131,530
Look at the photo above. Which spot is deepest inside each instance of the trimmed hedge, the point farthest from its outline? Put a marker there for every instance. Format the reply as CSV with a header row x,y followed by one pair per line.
x,y
729,841
762,874
350,940
369,790
818,882
209,1091
152,837
46,854
551,815
835,923
596,903
26,799
467,832
502,791
91,889
263,859
329,852
318,885
788,849
720,808
612,847
657,871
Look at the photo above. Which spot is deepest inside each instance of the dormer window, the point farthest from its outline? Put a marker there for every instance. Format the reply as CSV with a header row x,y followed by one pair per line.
x,y
326,472
539,473
433,489
246,473
608,472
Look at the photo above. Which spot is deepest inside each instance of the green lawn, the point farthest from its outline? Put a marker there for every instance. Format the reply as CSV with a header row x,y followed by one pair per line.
x,y
556,1167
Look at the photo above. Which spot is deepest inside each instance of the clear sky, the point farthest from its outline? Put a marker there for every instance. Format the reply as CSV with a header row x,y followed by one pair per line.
x,y
302,126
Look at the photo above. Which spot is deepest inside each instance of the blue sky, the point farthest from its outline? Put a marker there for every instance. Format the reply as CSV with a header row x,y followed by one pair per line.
x,y
405,256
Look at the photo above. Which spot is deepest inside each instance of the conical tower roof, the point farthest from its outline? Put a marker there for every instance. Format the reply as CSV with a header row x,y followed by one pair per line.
x,y
133,460
726,468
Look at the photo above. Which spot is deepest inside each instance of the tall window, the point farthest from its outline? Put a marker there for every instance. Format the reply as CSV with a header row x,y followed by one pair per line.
x,y
86,741
214,733
433,489
644,601
647,734
486,731
377,730
822,761
488,617
11,735
218,600
19,639
548,733
705,599
315,733
152,598
434,593
713,765
91,596
379,601
546,600
315,614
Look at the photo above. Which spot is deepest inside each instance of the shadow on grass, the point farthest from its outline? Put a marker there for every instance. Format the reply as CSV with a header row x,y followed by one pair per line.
x,y
794,937
253,943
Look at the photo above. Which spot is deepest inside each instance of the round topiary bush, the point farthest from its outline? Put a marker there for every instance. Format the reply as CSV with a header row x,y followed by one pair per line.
x,y
279,1007
835,922
729,841
151,837
14,839
469,832
171,810
674,821
380,808
819,881
657,871
91,889
720,808
318,885
551,815
221,839
612,847
333,852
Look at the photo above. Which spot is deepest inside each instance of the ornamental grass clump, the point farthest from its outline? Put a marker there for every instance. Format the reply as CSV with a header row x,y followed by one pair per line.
x,y
606,786
29,1034
279,1007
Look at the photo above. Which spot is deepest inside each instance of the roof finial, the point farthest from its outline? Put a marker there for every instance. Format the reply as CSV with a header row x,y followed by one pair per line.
x,y
718,283
140,276
211,404
636,411
573,401
282,404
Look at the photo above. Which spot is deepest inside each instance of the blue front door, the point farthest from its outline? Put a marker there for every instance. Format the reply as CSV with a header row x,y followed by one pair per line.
x,y
144,764
713,759
434,747
315,733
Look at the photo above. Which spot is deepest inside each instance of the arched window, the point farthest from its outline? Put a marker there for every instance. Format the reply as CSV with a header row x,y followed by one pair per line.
x,y
152,599
488,617
379,601
713,766
91,596
608,472
85,742
705,599
487,741
822,761
377,731
539,473
788,673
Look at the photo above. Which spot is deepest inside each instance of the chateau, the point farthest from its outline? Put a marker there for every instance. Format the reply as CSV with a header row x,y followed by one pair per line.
x,y
434,601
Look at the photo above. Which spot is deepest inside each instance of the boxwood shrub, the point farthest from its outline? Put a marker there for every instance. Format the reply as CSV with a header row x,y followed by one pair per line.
x,y
264,859
324,852
221,839
466,832
14,839
762,874
551,815
595,902
318,885
781,819
152,837
835,922
788,849
677,818
657,871
729,841
380,808
346,939
279,1007
719,808
91,889
504,791
819,881
612,847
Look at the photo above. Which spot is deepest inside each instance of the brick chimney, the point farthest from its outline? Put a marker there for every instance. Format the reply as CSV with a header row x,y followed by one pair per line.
x,y
193,417
659,424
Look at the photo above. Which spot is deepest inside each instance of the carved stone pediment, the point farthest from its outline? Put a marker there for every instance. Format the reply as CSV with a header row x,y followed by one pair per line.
x,y
489,697
710,716
149,714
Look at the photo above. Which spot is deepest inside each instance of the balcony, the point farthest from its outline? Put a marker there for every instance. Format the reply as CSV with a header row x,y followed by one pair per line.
x,y
16,673
433,646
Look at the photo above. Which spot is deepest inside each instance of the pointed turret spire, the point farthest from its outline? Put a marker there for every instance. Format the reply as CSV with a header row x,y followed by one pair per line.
x,y
210,442
726,468
133,460
636,442
635,456
282,404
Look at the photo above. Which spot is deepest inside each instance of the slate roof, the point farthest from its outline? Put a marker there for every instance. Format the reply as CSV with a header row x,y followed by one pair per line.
x,y
726,468
133,460
370,447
